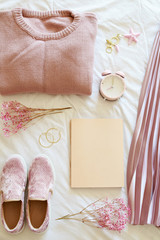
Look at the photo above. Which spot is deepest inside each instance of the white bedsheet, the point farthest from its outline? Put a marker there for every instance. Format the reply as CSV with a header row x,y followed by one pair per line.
x,y
113,17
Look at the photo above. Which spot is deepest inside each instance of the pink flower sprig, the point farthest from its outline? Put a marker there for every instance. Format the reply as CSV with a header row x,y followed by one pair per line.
x,y
16,116
111,215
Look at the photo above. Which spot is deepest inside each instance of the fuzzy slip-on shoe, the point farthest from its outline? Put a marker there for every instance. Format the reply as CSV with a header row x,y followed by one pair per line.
x,y
40,188
12,186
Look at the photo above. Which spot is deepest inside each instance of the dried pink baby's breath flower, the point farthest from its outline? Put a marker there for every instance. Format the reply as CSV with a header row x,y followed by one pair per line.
x,y
16,116
112,215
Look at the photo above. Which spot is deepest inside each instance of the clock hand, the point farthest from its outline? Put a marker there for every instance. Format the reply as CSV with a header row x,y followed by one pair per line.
x,y
109,88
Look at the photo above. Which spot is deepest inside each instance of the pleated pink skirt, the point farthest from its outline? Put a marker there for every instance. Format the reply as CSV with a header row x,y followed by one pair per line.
x,y
143,170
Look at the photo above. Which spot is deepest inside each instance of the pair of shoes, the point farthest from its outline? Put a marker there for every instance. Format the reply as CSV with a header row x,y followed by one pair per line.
x,y
40,187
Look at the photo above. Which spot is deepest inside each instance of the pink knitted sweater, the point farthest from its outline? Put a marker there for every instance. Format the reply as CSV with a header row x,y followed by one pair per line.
x,y
49,52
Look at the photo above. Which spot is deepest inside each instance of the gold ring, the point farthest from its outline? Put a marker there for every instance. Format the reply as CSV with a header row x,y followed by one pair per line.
x,y
115,40
50,129
39,140
107,49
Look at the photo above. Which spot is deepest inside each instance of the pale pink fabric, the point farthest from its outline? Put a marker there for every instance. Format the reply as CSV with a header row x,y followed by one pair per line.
x,y
40,187
50,52
13,182
143,171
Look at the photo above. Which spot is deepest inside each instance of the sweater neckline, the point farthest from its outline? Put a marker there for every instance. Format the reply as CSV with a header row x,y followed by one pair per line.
x,y
19,14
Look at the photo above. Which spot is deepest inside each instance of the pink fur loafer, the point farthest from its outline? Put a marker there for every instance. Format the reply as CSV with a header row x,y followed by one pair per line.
x,y
13,182
40,187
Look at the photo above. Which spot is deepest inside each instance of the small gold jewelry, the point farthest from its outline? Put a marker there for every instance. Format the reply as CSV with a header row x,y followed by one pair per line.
x,y
113,43
46,134
42,145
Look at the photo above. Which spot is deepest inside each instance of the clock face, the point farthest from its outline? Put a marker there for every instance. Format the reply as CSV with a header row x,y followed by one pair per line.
x,y
112,87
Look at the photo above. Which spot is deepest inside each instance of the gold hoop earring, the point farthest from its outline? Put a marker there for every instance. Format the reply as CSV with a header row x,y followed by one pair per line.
x,y
47,133
39,140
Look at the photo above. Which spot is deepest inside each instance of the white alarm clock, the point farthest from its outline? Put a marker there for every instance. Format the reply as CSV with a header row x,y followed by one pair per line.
x,y
112,86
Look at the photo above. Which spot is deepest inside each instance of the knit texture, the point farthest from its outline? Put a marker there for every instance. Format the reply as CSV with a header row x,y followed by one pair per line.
x,y
51,52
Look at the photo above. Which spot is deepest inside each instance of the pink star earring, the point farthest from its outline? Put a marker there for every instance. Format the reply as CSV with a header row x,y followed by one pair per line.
x,y
132,37
113,43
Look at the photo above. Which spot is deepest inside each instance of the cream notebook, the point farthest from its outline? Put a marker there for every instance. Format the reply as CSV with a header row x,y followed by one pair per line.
x,y
97,153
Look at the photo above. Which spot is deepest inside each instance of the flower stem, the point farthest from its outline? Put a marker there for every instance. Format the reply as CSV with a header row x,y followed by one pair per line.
x,y
50,109
68,216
